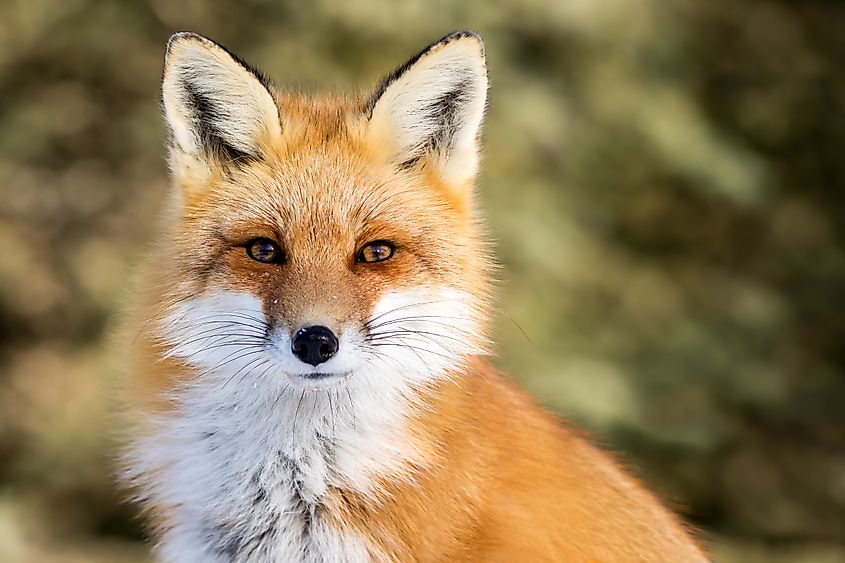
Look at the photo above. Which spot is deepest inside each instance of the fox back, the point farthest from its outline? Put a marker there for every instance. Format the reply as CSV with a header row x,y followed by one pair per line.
x,y
308,377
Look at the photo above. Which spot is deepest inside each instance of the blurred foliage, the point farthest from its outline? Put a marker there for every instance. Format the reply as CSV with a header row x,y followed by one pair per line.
x,y
664,180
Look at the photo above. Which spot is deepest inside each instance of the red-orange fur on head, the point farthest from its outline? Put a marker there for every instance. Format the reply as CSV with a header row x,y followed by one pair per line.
x,y
321,190
456,464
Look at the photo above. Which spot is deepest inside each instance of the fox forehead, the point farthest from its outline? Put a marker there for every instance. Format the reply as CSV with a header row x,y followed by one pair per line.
x,y
321,202
321,205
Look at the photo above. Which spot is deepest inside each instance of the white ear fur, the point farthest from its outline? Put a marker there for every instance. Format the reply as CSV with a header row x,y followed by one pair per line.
x,y
214,103
433,107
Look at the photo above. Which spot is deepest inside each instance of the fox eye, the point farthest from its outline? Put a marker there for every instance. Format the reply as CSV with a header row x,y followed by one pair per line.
x,y
376,251
264,250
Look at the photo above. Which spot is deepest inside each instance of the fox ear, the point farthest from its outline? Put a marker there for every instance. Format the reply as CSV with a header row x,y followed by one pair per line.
x,y
431,108
215,105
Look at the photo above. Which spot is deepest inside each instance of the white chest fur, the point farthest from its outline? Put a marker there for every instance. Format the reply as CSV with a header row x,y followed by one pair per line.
x,y
245,459
247,479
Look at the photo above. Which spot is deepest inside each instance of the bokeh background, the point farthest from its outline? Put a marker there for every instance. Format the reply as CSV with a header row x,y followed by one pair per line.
x,y
664,180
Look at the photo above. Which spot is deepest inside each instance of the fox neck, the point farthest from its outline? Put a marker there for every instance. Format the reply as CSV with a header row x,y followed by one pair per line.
x,y
250,476
339,436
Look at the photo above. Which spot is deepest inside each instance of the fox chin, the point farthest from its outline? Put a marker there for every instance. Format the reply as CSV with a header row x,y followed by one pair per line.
x,y
308,375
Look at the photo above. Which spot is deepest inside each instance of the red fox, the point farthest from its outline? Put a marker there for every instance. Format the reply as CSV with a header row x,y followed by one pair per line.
x,y
309,378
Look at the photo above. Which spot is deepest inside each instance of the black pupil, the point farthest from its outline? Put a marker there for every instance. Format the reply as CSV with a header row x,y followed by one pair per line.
x,y
377,253
263,250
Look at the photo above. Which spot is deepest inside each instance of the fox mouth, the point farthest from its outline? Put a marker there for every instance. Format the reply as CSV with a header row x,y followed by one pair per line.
x,y
318,375
318,380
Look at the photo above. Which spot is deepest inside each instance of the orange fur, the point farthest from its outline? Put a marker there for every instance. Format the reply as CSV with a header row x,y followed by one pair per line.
x,y
494,477
523,488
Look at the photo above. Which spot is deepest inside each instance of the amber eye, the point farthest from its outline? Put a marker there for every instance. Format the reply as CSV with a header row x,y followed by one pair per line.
x,y
376,251
264,250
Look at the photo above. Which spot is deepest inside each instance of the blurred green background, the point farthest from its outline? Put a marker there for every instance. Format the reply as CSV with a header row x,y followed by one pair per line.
x,y
664,180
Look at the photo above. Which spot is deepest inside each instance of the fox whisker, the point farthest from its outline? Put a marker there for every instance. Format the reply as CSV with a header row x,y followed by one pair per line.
x,y
417,318
244,370
239,354
431,336
279,398
408,306
214,337
296,414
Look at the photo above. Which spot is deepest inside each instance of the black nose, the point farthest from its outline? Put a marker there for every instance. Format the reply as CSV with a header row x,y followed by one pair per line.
x,y
314,344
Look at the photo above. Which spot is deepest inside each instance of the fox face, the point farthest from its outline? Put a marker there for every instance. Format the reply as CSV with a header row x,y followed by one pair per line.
x,y
307,383
311,241
320,269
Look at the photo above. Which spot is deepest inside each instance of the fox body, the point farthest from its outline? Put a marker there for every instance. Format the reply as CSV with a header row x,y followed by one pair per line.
x,y
308,379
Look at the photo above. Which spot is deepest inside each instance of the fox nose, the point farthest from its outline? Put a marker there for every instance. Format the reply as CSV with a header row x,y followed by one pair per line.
x,y
314,344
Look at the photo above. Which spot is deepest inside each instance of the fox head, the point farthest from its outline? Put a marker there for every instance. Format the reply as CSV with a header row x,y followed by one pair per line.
x,y
319,242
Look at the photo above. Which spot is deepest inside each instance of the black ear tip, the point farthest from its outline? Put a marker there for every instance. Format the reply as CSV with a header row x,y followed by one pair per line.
x,y
458,35
461,34
396,74
210,44
189,36
181,36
